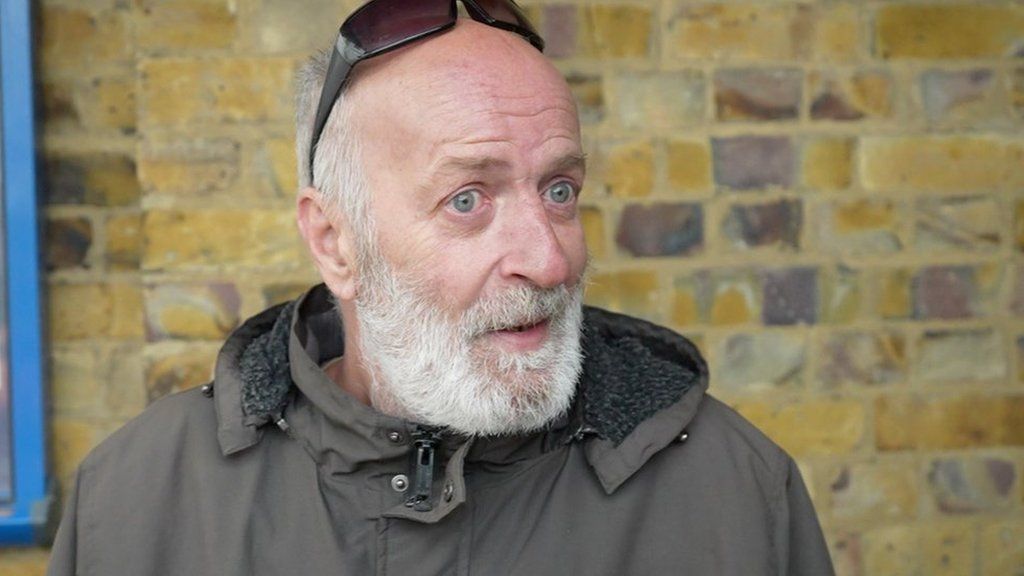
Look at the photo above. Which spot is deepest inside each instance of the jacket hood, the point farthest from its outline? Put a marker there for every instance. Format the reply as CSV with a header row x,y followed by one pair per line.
x,y
640,387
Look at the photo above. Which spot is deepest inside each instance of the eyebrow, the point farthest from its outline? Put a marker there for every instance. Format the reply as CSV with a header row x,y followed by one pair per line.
x,y
490,163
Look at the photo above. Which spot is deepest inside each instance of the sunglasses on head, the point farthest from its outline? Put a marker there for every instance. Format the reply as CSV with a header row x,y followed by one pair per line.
x,y
383,25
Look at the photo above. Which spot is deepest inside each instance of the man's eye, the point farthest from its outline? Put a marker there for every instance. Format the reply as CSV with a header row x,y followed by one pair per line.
x,y
466,201
561,192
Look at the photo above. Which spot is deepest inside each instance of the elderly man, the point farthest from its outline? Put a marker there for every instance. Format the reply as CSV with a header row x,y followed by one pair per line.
x,y
442,404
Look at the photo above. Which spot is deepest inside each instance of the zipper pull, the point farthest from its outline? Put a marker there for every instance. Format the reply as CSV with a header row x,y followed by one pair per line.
x,y
581,433
426,442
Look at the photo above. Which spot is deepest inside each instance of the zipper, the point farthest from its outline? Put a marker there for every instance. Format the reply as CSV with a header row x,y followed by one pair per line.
x,y
426,441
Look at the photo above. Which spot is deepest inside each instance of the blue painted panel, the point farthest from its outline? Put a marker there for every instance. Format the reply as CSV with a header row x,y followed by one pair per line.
x,y
24,516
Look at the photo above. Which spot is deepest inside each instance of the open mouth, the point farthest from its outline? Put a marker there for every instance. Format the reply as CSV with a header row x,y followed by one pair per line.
x,y
524,327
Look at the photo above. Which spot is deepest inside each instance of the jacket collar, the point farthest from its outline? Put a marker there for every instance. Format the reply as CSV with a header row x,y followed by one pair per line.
x,y
640,388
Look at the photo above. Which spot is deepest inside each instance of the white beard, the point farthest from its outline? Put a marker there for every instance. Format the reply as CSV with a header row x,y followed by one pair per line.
x,y
431,369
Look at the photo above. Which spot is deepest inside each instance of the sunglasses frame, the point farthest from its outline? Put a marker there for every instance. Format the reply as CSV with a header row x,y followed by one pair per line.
x,y
347,53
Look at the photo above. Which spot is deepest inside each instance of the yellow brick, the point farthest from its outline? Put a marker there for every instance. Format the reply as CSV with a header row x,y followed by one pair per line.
x,y
631,292
871,93
689,165
828,163
868,491
80,311
1017,91
842,298
837,34
941,164
950,31
282,165
894,298
194,312
177,240
115,179
179,371
189,91
740,32
185,25
70,440
102,179
593,230
864,215
613,31
731,306
1018,224
685,311
124,241
948,549
190,167
892,551
113,106
810,427
630,170
911,422
1001,548
76,387
21,562
73,37
106,102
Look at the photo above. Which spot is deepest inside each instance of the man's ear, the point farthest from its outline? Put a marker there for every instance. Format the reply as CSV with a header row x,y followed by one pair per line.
x,y
329,242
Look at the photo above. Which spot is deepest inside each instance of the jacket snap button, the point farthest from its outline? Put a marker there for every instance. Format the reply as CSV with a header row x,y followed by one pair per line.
x,y
449,491
399,483
395,437
684,436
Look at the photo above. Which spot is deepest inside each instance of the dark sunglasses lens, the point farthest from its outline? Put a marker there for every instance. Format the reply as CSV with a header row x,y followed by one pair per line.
x,y
381,24
508,12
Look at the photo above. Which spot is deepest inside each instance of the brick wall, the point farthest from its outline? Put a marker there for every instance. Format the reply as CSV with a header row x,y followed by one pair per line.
x,y
827,196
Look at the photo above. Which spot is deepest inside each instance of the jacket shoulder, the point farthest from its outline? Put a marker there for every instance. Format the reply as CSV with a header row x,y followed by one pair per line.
x,y
181,421
725,426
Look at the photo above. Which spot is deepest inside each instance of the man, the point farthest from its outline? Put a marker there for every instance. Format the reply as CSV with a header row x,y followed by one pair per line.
x,y
442,404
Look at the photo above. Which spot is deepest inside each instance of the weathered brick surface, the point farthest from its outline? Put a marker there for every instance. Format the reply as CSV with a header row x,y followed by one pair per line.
x,y
948,31
176,240
661,229
754,94
827,196
775,224
941,164
68,241
812,426
100,179
754,162
907,422
178,91
659,101
861,95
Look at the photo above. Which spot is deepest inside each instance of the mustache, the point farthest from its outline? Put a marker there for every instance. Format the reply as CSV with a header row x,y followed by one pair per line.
x,y
516,307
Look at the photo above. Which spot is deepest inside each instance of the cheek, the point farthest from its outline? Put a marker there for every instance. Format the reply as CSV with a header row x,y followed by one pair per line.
x,y
574,244
455,271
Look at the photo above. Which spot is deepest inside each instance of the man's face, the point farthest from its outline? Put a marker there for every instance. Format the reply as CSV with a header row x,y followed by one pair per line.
x,y
473,162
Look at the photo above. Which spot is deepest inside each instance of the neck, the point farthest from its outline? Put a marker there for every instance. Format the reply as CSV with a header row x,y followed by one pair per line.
x,y
349,371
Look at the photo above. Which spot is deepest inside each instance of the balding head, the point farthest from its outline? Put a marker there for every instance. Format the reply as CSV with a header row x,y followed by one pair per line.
x,y
469,55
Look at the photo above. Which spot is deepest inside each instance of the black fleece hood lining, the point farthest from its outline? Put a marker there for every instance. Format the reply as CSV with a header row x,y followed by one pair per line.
x,y
631,370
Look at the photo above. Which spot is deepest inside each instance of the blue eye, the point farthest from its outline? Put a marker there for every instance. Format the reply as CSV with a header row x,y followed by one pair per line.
x,y
561,192
465,201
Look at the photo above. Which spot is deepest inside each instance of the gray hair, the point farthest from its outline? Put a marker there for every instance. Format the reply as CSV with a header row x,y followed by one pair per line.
x,y
337,171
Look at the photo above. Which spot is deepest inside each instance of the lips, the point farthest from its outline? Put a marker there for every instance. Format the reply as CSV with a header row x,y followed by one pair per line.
x,y
524,337
523,327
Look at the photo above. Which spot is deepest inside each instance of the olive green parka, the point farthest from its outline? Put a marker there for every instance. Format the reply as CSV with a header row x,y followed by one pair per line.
x,y
273,470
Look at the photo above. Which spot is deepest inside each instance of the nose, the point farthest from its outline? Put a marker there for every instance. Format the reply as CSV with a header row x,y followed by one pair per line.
x,y
533,250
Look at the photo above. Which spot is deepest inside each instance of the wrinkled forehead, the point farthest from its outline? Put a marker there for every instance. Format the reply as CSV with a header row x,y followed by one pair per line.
x,y
470,66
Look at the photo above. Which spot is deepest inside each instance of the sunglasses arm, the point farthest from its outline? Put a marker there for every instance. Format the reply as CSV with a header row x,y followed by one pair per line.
x,y
343,57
